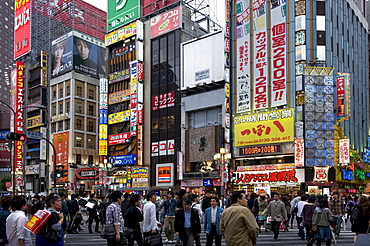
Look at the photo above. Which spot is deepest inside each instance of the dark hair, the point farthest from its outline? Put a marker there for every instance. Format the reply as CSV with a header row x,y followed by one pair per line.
x,y
92,195
304,197
150,195
275,193
51,198
17,202
216,198
312,199
336,193
126,195
5,202
88,44
61,194
182,192
171,193
253,195
186,201
263,197
134,199
115,195
193,197
324,203
300,192
235,196
364,203
74,196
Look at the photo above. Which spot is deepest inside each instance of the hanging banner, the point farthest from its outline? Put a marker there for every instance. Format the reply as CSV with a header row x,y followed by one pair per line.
x,y
343,96
278,43
344,157
299,152
22,28
321,174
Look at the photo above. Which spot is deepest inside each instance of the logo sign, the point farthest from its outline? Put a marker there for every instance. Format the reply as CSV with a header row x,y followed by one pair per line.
x,y
292,175
119,138
216,182
22,28
121,12
155,148
165,173
150,6
165,22
123,160
87,173
266,127
136,28
32,169
299,153
344,157
207,182
321,174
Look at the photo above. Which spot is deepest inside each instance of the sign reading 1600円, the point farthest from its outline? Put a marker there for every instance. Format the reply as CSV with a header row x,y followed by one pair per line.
x,y
121,12
264,128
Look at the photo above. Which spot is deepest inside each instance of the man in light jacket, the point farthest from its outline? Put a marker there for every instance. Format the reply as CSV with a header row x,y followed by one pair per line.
x,y
238,225
212,219
150,223
277,210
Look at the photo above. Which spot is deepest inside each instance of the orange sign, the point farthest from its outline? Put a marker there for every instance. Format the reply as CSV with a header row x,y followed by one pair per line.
x,y
164,175
60,141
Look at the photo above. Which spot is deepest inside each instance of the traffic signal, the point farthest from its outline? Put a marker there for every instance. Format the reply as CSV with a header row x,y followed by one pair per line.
x,y
14,136
58,172
64,173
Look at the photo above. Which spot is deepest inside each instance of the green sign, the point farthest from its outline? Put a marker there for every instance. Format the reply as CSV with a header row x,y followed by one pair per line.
x,y
121,12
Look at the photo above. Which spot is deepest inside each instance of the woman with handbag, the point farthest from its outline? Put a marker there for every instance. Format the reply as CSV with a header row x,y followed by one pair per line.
x,y
361,217
52,233
321,223
133,217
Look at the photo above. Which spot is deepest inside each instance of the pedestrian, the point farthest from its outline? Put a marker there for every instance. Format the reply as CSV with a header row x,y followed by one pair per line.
x,y
321,218
278,214
113,216
37,204
187,224
212,219
16,233
132,221
307,213
150,223
337,209
350,206
294,207
360,224
169,211
284,199
51,234
76,216
253,204
93,213
103,210
223,202
179,199
262,219
238,225
300,206
196,205
206,201
160,208
125,204
64,210
5,204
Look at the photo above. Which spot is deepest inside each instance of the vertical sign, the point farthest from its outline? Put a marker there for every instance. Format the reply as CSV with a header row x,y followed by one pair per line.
x,y
243,100
22,28
344,157
260,57
103,127
61,143
343,96
299,153
278,43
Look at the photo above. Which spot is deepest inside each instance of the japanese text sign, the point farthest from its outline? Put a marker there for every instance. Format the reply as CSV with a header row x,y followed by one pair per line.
x,y
344,157
22,28
321,174
299,152
122,12
165,22
289,175
150,6
266,127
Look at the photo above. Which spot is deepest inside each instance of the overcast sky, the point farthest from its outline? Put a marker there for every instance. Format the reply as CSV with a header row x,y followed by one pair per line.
x,y
101,4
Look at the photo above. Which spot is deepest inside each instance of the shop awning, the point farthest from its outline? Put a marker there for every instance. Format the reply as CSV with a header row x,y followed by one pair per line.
x,y
311,183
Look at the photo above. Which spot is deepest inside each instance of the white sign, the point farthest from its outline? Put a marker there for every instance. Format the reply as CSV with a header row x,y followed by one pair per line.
x,y
31,169
155,148
165,147
299,153
344,157
171,147
321,174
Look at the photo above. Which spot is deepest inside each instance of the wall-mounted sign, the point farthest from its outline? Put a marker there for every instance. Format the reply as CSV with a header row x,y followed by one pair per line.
x,y
150,6
59,117
120,138
344,157
299,152
165,22
165,147
34,121
22,28
123,160
256,150
207,182
140,177
119,96
119,76
321,174
165,174
135,28
87,173
122,12
292,175
31,169
119,117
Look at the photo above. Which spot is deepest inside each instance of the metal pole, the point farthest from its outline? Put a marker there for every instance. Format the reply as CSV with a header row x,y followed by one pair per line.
x,y
54,163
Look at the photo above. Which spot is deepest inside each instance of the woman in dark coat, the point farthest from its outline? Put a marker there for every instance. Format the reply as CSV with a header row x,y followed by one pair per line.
x,y
360,225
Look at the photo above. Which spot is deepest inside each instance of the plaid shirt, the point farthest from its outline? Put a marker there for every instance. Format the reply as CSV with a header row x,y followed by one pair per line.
x,y
337,207
113,214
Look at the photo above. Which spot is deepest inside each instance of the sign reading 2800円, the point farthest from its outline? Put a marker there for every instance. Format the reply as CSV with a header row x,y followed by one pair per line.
x,y
266,127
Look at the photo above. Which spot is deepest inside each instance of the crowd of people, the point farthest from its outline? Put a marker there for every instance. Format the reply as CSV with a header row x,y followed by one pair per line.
x,y
238,217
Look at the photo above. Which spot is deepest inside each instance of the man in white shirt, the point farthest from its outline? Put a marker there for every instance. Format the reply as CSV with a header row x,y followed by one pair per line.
x,y
17,235
150,223
300,206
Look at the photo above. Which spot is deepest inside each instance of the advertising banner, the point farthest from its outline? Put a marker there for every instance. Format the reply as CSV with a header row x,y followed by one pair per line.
x,y
61,144
155,148
32,169
103,132
119,117
103,119
343,96
260,56
22,28
279,50
34,121
123,160
119,96
266,127
62,56
166,22
165,174
120,138
4,155
321,174
119,76
135,28
140,177
243,97
299,153
150,6
122,12
103,147
344,151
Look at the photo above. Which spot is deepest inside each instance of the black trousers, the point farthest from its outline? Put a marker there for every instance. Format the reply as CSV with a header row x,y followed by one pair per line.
x,y
137,237
114,242
92,217
213,234
275,228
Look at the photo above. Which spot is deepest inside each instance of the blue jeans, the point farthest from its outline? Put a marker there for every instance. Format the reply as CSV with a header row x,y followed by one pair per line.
x,y
337,221
301,231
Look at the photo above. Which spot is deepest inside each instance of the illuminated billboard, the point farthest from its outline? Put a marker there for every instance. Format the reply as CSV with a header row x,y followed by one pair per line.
x,y
22,28
62,56
122,12
61,143
165,22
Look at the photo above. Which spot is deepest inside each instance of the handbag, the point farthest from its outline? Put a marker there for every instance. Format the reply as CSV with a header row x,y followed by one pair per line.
x,y
363,239
108,232
154,240
269,220
52,235
129,233
178,242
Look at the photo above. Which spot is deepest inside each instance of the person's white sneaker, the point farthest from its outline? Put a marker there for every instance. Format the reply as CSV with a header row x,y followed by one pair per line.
x,y
166,241
170,241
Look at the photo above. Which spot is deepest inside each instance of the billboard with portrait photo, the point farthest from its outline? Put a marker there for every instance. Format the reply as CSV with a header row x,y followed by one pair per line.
x,y
61,56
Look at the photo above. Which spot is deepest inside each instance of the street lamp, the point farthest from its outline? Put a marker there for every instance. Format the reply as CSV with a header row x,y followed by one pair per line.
x,y
223,159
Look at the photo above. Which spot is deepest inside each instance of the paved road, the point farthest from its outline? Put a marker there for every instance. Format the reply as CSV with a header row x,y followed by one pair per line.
x,y
264,239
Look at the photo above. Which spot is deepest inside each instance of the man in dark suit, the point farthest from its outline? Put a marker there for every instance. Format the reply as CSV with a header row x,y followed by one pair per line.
x,y
93,214
187,223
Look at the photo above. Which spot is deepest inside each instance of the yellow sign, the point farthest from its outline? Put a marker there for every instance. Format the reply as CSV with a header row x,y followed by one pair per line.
x,y
103,132
34,121
264,128
119,96
103,147
121,34
119,117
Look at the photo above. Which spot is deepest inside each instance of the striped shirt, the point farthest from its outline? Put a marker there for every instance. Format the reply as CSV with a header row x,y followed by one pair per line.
x,y
113,214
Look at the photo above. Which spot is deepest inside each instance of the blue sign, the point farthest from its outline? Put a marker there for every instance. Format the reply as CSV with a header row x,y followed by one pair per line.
x,y
3,134
123,160
207,182
103,116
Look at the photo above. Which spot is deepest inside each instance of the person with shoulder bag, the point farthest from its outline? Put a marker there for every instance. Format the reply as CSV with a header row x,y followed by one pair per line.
x,y
322,217
361,217
132,227
307,213
52,232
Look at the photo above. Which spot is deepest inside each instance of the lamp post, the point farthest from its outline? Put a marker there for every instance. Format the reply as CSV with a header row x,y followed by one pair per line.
x,y
223,159
14,129
105,166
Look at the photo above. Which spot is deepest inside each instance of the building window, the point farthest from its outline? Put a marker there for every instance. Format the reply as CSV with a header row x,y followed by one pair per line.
x,y
60,108
91,142
79,91
60,126
78,141
54,110
91,110
68,90
78,107
68,106
91,126
78,124
90,160
78,159
53,128
91,94
54,95
61,93
68,125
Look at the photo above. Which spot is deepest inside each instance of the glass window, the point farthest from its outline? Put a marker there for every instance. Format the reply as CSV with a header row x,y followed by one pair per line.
x,y
91,110
79,107
68,90
67,125
78,141
60,108
54,110
79,91
91,126
320,23
91,142
300,22
68,107
78,159
321,53
90,160
60,126
78,124
61,93
300,52
54,95
91,94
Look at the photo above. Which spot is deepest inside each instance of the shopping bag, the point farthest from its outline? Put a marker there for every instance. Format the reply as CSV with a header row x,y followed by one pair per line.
x,y
37,221
269,220
90,205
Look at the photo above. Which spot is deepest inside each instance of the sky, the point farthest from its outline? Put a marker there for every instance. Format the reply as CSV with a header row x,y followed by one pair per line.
x,y
101,4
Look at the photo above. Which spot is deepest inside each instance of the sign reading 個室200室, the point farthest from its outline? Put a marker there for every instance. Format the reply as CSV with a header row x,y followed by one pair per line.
x,y
266,127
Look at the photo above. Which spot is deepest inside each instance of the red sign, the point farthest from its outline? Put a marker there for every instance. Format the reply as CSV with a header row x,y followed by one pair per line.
x,y
120,138
341,97
150,6
165,22
170,99
299,152
165,100
101,178
22,28
140,114
155,102
140,71
216,182
278,176
61,143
